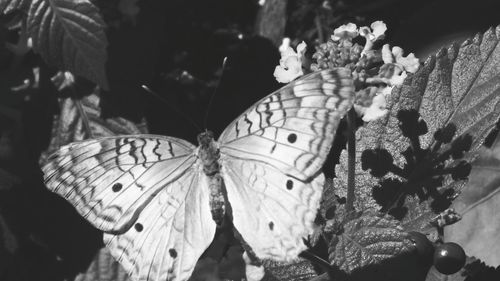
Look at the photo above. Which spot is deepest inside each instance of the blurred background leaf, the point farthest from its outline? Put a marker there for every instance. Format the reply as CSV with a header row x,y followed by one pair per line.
x,y
70,36
479,205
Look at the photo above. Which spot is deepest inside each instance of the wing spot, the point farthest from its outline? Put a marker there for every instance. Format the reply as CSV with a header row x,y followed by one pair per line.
x,y
173,253
271,225
289,184
138,227
117,187
292,138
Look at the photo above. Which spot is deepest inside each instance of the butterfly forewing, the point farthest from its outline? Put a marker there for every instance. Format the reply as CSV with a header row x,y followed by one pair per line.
x,y
271,159
293,128
110,180
170,234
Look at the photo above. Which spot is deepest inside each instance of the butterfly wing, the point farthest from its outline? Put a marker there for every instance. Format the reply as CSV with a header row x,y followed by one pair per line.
x,y
111,180
271,159
170,234
293,128
272,211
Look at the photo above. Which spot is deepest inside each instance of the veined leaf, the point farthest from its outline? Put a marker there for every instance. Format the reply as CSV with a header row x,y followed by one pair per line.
x,y
7,6
368,240
458,86
80,119
479,204
70,36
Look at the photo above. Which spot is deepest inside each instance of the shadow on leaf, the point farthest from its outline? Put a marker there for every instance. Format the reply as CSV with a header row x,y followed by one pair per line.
x,y
424,170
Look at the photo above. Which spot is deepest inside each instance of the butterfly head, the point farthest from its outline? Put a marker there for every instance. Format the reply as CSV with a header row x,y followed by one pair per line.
x,y
206,139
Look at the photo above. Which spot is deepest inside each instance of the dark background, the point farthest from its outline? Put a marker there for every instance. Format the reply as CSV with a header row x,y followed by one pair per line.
x,y
49,239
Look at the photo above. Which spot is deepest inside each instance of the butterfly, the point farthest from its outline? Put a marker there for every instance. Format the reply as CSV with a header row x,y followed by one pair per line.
x,y
159,199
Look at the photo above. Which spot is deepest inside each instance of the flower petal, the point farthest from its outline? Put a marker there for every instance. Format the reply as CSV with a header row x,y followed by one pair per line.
x,y
379,28
376,110
346,31
409,63
387,54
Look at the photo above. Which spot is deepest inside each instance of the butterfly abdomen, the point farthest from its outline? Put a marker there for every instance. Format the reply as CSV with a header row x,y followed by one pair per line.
x,y
217,201
209,155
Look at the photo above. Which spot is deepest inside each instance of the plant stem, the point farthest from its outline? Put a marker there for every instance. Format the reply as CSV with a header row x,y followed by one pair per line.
x,y
83,114
351,159
319,28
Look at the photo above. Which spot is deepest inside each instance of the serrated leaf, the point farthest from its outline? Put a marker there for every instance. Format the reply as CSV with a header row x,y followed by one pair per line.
x,y
7,6
366,240
435,275
297,271
80,119
459,85
463,274
70,36
479,205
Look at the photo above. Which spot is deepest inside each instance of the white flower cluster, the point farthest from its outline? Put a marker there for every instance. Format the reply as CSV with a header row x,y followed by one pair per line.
x,y
340,51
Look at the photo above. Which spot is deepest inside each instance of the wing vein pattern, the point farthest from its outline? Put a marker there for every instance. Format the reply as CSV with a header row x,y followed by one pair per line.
x,y
271,160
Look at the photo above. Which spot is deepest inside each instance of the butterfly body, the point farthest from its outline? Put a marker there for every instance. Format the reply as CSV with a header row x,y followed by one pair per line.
x,y
159,199
208,154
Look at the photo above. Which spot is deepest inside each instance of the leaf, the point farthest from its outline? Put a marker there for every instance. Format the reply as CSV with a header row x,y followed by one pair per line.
x,y
7,6
103,267
435,275
469,272
70,36
80,119
296,271
366,240
479,204
129,10
7,180
458,86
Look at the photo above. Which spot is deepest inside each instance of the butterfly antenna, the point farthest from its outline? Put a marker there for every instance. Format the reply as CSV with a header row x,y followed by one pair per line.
x,y
213,94
191,121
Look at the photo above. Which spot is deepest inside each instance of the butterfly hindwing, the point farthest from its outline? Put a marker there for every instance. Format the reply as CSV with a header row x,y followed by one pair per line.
x,y
293,128
110,180
170,234
271,211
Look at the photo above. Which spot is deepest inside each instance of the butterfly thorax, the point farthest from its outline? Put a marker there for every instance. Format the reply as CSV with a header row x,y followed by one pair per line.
x,y
208,153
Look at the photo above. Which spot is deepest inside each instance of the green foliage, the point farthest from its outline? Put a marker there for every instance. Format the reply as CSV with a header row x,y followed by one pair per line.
x,y
70,35
81,118
67,34
367,239
457,86
477,232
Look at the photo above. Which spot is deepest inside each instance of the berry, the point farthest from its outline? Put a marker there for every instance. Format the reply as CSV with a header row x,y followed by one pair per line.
x,y
423,247
449,258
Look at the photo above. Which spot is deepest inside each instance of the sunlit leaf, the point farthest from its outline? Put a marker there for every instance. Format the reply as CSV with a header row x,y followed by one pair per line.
x,y
367,240
459,86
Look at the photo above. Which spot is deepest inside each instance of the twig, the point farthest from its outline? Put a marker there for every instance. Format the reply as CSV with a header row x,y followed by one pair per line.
x,y
83,114
319,28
